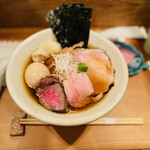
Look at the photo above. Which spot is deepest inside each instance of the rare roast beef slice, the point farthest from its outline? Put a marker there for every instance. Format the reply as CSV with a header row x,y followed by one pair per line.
x,y
44,82
70,24
52,96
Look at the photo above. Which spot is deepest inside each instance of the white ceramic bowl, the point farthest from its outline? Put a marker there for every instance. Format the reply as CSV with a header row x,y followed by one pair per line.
x,y
14,77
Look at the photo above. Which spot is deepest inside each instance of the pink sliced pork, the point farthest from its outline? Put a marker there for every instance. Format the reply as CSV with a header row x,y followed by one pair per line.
x,y
78,89
51,95
100,70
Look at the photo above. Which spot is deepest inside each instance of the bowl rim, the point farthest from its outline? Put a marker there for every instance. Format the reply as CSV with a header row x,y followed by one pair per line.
x,y
72,123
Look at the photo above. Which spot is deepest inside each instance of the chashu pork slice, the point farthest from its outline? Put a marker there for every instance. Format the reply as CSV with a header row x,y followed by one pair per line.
x,y
100,70
78,89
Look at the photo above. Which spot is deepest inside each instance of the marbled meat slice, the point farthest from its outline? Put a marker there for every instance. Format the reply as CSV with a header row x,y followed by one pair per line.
x,y
51,95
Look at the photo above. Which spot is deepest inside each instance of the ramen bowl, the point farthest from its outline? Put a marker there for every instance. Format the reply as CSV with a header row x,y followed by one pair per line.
x,y
14,79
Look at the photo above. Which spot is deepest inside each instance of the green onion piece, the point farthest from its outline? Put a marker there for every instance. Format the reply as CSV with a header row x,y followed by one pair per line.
x,y
82,67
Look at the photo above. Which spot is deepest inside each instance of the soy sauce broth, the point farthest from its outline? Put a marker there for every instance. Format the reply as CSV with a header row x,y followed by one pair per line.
x,y
31,92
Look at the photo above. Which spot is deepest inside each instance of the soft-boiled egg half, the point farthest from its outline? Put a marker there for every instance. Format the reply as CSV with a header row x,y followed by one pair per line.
x,y
34,72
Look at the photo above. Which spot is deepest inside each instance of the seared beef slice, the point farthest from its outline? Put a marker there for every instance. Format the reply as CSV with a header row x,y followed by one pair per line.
x,y
52,96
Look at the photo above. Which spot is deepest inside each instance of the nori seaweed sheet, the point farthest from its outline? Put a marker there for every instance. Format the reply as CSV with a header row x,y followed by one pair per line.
x,y
70,24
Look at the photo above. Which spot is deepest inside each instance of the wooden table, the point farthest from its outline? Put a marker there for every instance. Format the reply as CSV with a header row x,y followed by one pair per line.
x,y
135,103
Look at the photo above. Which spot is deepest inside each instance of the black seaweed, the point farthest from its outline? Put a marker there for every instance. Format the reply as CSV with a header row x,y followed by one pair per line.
x,y
70,23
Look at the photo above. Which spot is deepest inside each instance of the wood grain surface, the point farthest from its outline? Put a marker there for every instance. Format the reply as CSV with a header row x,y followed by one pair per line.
x,y
31,13
135,103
